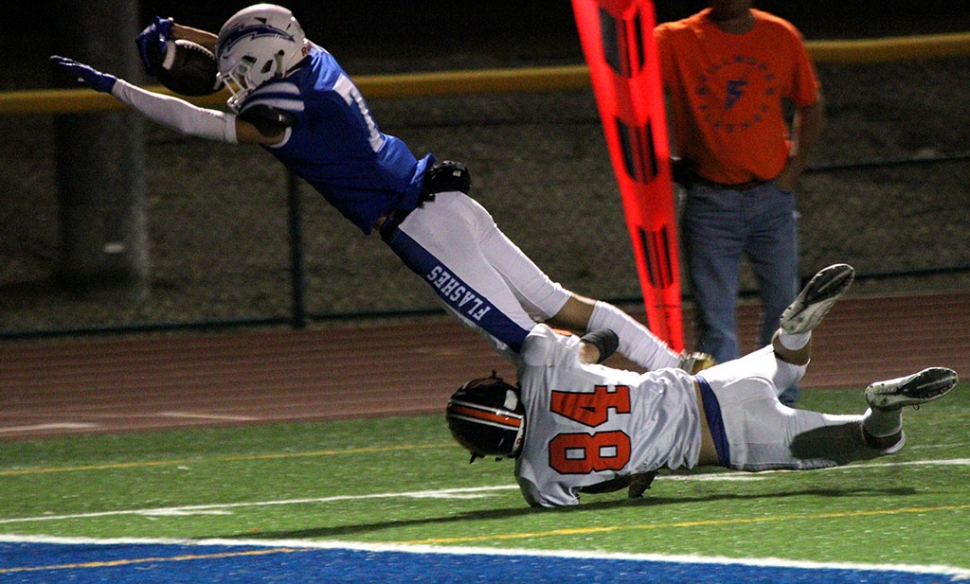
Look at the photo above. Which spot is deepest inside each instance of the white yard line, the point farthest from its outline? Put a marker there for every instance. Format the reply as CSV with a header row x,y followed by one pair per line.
x,y
462,493
467,493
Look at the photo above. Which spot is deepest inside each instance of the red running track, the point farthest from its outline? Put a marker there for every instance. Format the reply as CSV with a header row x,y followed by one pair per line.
x,y
68,387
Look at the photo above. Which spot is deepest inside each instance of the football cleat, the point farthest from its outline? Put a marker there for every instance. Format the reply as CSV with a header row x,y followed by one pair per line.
x,y
639,483
816,299
913,390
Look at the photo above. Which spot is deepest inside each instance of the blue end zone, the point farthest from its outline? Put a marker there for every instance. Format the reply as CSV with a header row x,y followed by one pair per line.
x,y
173,564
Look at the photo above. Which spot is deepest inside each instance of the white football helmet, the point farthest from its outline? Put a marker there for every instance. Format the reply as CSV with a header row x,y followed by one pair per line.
x,y
257,44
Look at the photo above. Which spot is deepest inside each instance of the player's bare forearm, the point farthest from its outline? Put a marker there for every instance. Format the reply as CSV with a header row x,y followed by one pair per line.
x,y
196,35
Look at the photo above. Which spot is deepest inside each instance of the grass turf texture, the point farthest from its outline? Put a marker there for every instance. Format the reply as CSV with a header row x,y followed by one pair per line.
x,y
400,480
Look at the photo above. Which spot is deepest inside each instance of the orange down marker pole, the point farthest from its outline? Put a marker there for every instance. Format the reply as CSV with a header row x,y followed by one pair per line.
x,y
617,40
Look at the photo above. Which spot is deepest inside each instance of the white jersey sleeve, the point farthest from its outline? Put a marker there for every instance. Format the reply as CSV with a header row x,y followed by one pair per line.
x,y
588,424
178,114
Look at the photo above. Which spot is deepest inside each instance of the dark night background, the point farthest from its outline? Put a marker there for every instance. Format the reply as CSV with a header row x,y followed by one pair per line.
x,y
217,213
452,25
418,35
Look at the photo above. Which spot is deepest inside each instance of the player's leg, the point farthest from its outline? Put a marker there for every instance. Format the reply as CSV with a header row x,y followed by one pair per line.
x,y
883,426
547,301
637,343
754,429
878,432
783,364
751,430
727,393
440,242
792,341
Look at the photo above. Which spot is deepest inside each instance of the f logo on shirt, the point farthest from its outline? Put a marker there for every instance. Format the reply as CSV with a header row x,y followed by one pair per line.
x,y
736,94
735,89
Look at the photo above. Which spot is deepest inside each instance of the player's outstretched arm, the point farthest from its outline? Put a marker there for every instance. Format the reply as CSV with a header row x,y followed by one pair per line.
x,y
86,75
173,112
170,111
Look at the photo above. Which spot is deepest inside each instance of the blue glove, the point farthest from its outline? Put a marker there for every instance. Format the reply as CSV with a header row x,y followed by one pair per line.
x,y
85,74
156,33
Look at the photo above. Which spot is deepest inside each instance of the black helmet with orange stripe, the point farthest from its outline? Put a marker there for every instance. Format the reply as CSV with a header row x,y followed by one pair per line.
x,y
486,417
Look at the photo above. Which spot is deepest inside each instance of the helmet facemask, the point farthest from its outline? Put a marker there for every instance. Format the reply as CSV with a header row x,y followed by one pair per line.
x,y
236,81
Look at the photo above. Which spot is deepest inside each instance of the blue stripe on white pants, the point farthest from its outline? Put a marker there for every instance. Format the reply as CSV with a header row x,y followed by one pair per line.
x,y
468,304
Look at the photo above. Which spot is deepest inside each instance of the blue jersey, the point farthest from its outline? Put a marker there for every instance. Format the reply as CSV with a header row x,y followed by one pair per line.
x,y
336,146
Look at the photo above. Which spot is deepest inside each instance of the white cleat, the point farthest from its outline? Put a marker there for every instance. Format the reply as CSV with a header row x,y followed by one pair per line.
x,y
816,299
913,390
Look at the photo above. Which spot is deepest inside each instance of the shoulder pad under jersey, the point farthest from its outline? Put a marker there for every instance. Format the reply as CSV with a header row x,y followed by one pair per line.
x,y
280,94
259,114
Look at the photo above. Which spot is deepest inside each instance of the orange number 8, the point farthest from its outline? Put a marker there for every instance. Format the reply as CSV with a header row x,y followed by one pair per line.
x,y
585,453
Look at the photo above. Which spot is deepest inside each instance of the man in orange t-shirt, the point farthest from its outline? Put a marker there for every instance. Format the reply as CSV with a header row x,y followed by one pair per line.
x,y
730,72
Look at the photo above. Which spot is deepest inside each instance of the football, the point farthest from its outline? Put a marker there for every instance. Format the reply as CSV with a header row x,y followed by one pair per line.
x,y
185,67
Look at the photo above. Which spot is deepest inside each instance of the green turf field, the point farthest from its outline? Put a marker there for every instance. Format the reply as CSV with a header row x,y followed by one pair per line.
x,y
402,480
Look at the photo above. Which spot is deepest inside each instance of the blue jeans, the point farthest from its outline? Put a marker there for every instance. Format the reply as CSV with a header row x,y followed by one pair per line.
x,y
721,225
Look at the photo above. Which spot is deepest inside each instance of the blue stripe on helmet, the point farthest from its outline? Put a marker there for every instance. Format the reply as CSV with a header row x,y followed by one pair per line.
x,y
252,32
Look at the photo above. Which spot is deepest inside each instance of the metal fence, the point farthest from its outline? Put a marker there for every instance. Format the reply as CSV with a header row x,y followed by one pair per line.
x,y
236,241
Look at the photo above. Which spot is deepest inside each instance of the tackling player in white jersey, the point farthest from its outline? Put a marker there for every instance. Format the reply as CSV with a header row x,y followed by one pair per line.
x,y
291,96
575,426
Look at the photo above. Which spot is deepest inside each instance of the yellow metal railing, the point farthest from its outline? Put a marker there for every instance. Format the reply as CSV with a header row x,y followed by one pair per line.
x,y
939,46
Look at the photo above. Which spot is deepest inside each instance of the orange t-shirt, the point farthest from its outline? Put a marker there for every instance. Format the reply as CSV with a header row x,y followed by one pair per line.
x,y
727,94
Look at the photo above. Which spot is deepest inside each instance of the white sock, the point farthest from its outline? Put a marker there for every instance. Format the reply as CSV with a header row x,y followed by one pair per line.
x,y
794,342
637,343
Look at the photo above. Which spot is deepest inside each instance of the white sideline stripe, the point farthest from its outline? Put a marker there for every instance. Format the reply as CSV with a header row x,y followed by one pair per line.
x,y
950,462
465,493
955,574
47,427
460,493
222,508
729,477
198,416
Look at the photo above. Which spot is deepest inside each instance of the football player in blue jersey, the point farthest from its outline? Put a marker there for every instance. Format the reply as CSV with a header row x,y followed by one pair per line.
x,y
290,96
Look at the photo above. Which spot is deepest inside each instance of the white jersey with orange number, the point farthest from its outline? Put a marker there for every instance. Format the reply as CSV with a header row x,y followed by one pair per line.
x,y
588,424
